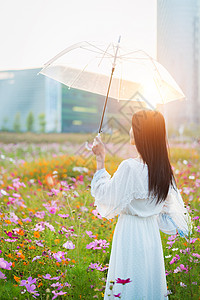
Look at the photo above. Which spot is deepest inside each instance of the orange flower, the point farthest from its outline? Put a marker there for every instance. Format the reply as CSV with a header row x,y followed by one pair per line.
x,y
32,210
31,247
17,278
20,232
7,221
36,234
40,284
22,256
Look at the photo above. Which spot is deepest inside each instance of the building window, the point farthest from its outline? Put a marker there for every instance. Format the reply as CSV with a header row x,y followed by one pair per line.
x,y
77,122
84,109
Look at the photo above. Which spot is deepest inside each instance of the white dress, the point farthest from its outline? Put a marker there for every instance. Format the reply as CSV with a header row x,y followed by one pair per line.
x,y
137,251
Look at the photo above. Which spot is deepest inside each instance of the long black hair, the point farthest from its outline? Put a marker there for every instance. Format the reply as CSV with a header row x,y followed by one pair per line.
x,y
151,142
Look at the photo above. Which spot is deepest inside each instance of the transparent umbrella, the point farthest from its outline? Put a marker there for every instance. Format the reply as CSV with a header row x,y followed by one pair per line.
x,y
115,71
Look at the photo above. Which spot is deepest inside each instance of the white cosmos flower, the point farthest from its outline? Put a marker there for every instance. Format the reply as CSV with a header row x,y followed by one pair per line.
x,y
69,245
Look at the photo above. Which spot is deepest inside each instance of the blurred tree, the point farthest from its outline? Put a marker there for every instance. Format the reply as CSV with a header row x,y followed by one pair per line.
x,y
42,122
56,124
4,127
30,121
16,124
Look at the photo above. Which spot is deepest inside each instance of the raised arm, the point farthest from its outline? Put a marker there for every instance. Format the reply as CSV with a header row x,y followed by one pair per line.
x,y
109,192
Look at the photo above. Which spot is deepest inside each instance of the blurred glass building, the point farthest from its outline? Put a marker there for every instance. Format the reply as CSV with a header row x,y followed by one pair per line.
x,y
22,92
178,49
65,110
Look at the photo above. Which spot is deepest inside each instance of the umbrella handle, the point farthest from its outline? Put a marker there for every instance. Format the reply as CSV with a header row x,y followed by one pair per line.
x,y
94,143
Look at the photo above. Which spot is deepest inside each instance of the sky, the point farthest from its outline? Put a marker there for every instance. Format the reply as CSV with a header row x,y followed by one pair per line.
x,y
34,31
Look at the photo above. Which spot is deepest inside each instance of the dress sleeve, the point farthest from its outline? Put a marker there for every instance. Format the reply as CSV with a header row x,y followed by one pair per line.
x,y
111,194
174,215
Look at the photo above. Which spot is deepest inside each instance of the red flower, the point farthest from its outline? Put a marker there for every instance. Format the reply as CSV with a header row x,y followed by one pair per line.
x,y
123,281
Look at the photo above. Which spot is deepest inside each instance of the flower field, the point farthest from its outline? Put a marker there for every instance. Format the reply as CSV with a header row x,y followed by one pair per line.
x,y
54,243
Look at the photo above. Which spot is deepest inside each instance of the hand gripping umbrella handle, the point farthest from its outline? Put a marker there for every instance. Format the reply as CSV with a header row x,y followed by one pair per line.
x,y
94,143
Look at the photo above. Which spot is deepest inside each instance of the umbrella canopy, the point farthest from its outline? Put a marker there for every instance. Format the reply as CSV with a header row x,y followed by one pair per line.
x,y
87,66
113,70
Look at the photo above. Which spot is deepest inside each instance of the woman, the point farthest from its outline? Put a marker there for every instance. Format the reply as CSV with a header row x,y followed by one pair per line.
x,y
144,194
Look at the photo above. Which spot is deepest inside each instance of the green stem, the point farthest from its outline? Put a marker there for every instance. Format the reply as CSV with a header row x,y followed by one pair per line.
x,y
191,294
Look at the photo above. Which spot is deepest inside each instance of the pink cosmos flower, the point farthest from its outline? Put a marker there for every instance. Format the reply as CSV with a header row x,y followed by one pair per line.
x,y
192,241
196,255
183,268
31,289
89,233
174,259
117,295
47,276
16,195
59,255
83,208
58,294
40,214
182,284
123,281
166,273
29,281
57,284
52,210
97,266
2,276
178,269
96,213
195,218
36,257
98,244
4,264
63,215
38,243
10,234
170,243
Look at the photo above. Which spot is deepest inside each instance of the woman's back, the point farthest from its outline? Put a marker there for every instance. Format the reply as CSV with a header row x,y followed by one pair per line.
x,y
141,205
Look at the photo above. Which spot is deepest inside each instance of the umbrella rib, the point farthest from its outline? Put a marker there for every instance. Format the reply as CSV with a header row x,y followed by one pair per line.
x,y
132,58
138,51
102,51
104,55
78,75
95,51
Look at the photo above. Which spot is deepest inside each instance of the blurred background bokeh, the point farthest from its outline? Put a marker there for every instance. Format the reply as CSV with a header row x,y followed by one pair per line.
x,y
37,108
